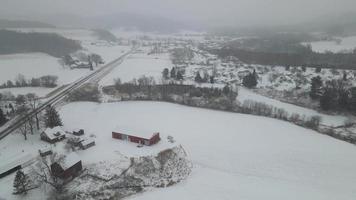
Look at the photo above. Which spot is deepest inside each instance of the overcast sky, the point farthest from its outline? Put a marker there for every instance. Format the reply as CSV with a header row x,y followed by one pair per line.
x,y
220,12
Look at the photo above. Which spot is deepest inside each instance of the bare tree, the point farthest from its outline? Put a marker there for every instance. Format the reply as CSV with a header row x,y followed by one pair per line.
x,y
44,173
33,102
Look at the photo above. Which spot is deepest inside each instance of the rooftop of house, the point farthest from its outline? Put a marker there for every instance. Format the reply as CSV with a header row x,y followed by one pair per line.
x,y
54,132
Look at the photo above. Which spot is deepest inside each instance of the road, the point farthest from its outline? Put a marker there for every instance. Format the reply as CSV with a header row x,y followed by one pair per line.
x,y
94,77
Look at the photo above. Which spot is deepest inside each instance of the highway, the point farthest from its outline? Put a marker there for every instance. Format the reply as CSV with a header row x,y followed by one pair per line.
x,y
94,77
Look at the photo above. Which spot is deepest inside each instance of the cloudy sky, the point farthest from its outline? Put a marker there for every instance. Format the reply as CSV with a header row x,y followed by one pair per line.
x,y
220,12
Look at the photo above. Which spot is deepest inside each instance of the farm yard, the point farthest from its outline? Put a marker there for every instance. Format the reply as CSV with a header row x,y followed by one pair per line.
x,y
251,152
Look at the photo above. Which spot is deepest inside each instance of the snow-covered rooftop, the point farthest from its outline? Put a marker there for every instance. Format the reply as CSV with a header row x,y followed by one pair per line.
x,y
70,160
135,131
54,132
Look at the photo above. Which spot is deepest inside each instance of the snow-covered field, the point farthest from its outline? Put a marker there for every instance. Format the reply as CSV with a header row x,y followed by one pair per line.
x,y
235,156
347,43
137,65
36,65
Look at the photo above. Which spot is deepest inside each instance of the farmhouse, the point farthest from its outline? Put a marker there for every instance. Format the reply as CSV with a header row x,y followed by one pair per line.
x,y
53,135
143,137
69,167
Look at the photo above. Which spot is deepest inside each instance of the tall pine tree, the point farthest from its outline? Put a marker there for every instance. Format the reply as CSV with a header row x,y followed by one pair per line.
x,y
52,118
21,183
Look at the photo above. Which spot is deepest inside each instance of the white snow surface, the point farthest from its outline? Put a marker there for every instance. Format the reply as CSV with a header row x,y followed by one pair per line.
x,y
35,65
330,120
347,43
137,65
235,156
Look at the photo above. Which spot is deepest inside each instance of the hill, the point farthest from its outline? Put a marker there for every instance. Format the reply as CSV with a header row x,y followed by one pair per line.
x,y
55,45
5,23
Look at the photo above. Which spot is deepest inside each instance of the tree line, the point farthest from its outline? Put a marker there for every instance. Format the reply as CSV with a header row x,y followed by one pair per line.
x,y
310,59
48,81
53,44
333,95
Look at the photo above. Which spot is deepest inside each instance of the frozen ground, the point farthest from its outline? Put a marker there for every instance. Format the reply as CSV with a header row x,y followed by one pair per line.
x,y
137,65
347,43
330,120
235,156
36,65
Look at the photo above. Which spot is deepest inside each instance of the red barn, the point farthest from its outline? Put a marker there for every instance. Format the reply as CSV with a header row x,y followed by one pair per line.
x,y
69,167
143,137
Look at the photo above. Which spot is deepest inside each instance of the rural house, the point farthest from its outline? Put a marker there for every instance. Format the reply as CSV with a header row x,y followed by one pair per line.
x,y
53,135
143,137
69,167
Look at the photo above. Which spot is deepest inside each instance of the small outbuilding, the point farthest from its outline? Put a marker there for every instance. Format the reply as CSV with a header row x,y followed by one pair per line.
x,y
53,135
69,167
45,152
142,137
85,144
78,132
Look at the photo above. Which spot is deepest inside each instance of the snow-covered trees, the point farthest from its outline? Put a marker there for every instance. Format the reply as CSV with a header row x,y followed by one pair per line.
x,y
52,118
250,80
3,118
97,59
165,73
315,89
21,183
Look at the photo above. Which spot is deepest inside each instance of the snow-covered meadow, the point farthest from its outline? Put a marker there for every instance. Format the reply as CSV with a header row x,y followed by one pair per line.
x,y
235,156
346,43
137,65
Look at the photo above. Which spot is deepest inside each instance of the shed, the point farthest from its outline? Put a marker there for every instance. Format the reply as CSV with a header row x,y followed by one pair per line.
x,y
78,132
45,152
85,144
53,135
69,167
138,136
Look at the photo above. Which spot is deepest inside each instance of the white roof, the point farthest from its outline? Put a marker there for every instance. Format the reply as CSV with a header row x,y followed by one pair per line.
x,y
135,131
87,141
50,132
70,160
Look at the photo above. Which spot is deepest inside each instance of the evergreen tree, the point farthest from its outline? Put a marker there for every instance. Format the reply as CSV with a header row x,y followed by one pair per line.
x,y
344,76
165,73
315,89
226,89
250,81
2,117
212,79
326,100
198,78
52,118
173,73
179,76
318,69
21,183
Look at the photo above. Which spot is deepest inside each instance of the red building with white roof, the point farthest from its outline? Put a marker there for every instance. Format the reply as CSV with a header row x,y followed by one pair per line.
x,y
143,137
